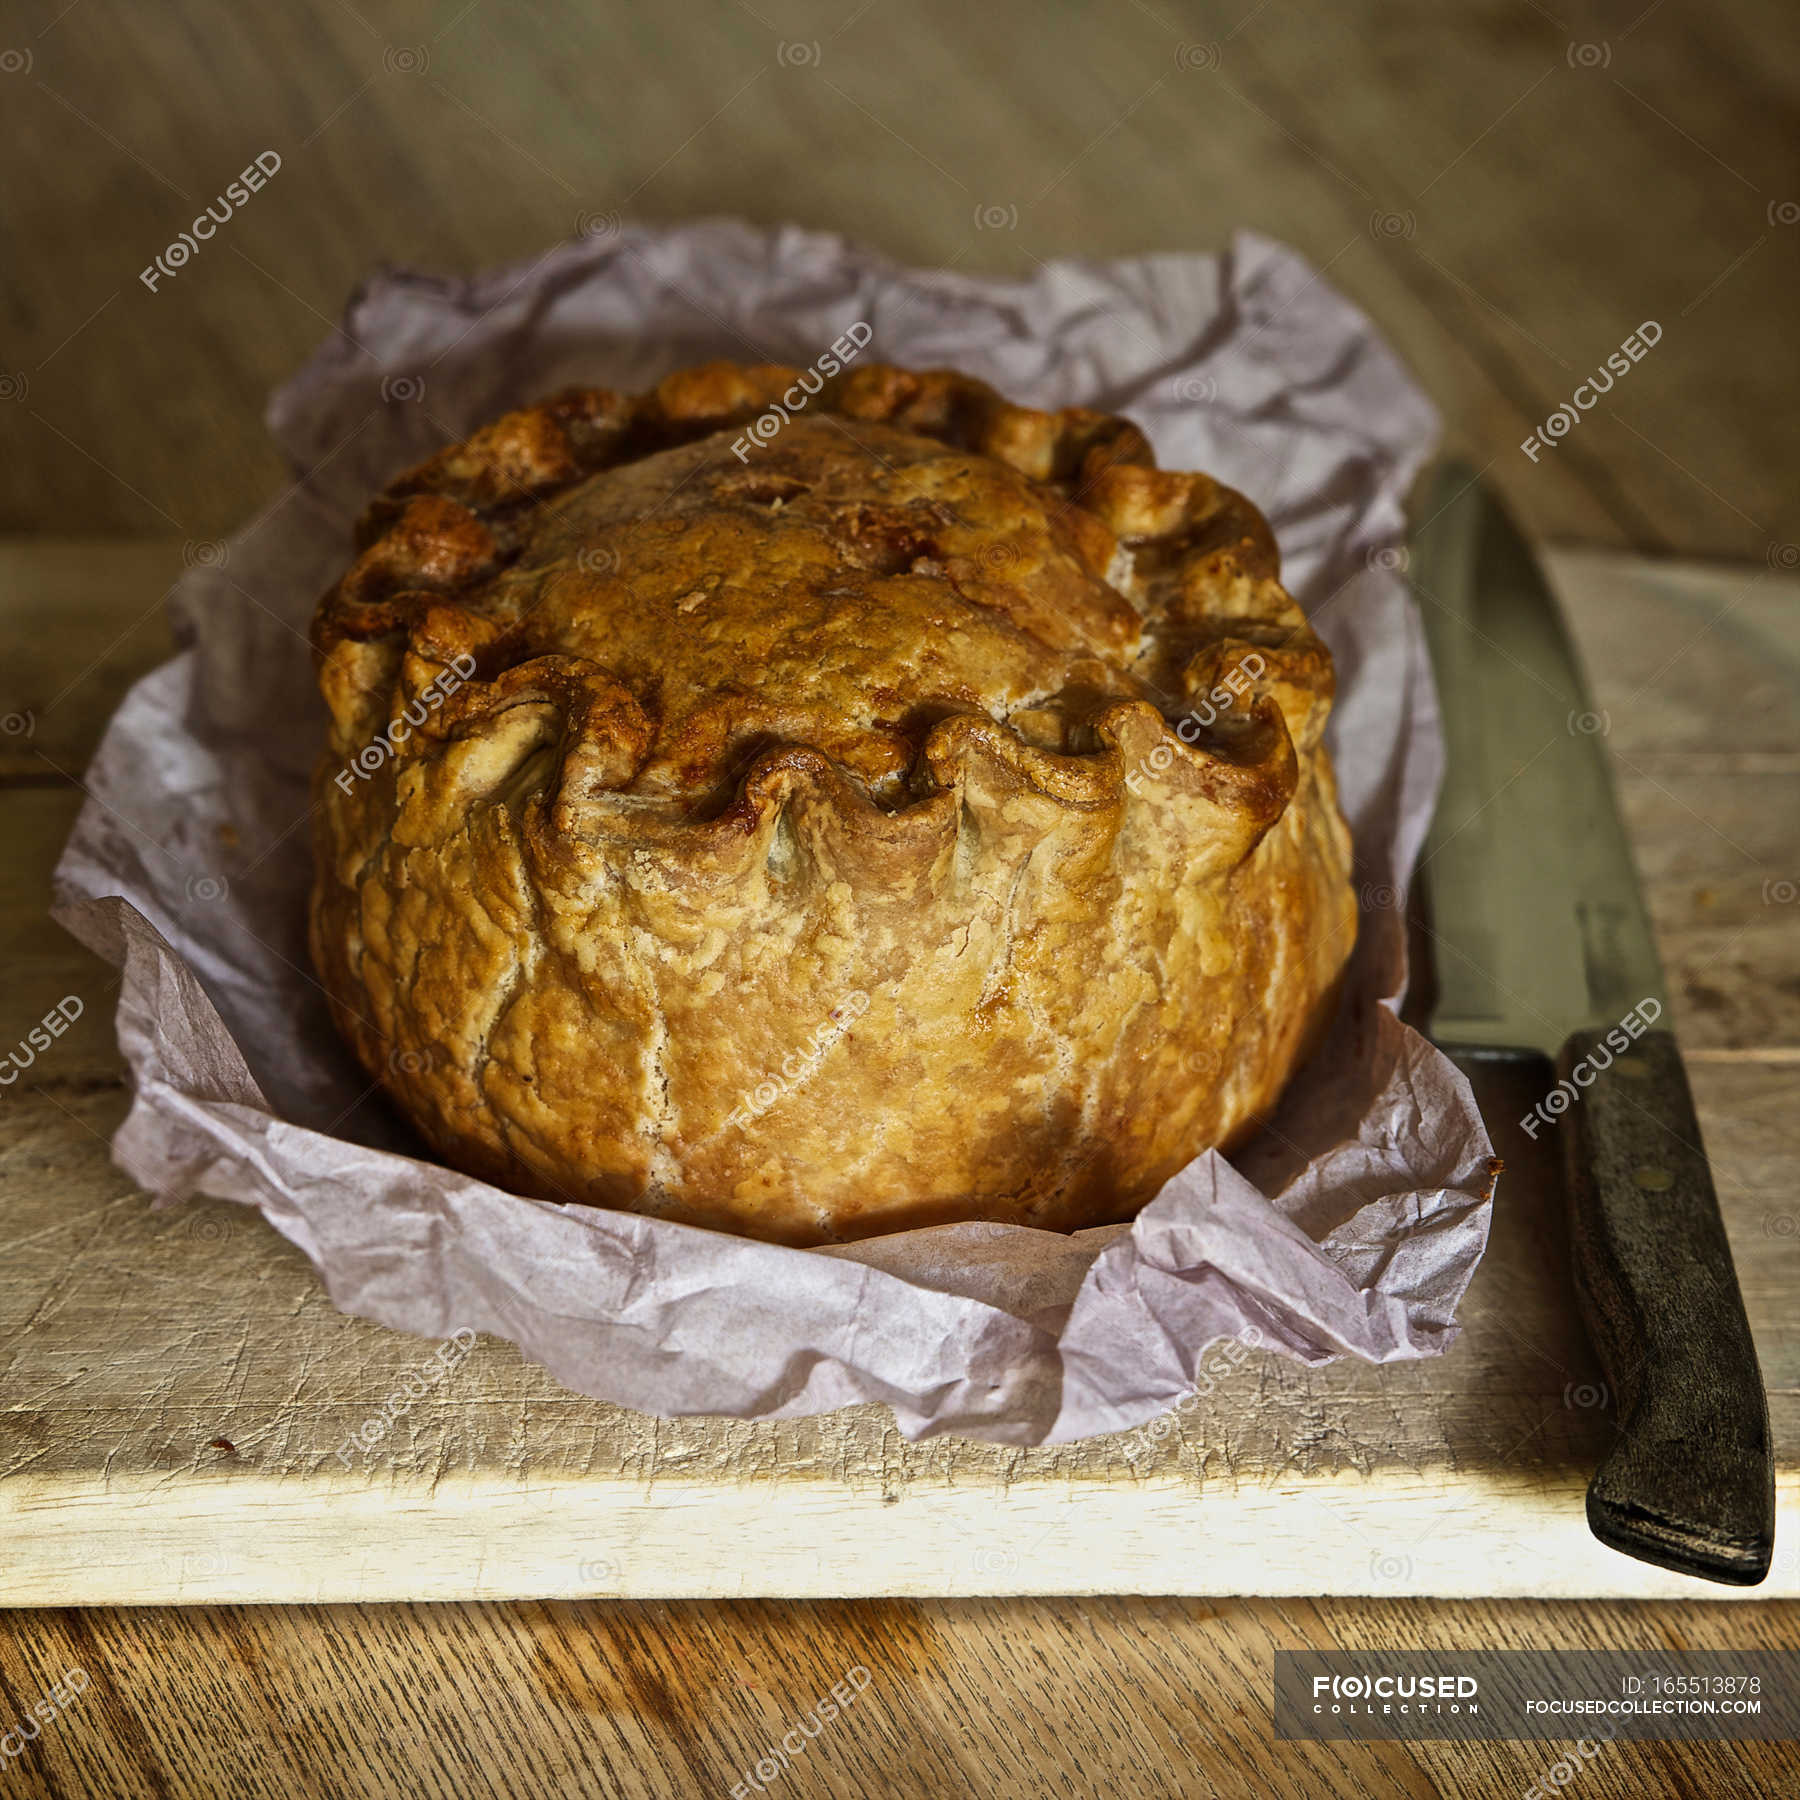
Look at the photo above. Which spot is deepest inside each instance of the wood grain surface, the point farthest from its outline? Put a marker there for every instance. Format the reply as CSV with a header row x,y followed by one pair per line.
x,y
1509,187
1013,1700
181,1388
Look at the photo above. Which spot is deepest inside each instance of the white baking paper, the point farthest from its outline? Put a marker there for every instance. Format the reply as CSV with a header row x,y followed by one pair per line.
x,y
1349,1228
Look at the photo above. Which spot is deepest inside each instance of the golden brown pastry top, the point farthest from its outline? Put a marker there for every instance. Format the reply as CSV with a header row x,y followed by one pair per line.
x,y
856,586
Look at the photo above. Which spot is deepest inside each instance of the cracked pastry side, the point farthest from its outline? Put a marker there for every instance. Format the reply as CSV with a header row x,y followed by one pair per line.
x,y
922,817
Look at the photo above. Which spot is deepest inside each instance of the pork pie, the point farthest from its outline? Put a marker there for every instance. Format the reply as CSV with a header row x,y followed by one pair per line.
x,y
911,809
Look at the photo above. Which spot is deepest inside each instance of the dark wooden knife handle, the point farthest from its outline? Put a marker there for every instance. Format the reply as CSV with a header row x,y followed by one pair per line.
x,y
1690,1484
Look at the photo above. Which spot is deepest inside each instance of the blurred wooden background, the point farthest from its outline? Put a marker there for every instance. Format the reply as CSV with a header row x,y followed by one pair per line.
x,y
1508,186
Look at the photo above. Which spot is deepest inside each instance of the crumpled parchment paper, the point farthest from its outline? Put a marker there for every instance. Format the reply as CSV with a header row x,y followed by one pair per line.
x,y
1350,1227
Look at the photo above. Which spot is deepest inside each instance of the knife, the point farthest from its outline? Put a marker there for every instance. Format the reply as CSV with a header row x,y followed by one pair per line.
x,y
1542,947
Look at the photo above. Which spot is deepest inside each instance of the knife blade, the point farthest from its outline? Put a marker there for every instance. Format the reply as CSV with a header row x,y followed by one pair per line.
x,y
1542,946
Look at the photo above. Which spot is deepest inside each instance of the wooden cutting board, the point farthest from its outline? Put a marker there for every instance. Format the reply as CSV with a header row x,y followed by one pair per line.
x,y
175,1386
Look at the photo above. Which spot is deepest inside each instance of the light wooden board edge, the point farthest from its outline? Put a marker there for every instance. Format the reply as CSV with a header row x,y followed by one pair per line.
x,y
146,1541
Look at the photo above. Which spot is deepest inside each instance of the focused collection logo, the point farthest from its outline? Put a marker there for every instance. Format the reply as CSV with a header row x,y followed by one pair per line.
x,y
1341,1694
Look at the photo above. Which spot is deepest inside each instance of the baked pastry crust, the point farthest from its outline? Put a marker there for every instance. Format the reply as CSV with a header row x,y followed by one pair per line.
x,y
920,817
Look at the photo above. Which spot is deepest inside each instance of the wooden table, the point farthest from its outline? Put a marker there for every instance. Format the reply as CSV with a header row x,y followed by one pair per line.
x,y
1507,191
1007,1697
